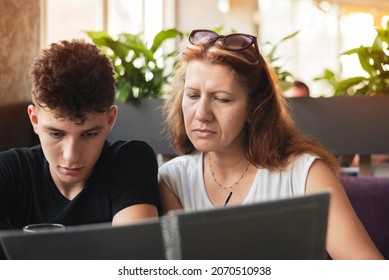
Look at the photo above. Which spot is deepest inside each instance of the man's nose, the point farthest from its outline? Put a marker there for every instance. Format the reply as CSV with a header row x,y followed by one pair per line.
x,y
71,150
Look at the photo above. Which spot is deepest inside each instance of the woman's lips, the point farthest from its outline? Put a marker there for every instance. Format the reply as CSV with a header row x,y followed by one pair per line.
x,y
203,132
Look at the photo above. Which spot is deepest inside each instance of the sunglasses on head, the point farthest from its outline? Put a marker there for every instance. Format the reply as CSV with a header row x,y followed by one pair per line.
x,y
231,42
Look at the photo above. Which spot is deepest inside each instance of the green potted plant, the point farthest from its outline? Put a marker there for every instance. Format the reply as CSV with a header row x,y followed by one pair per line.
x,y
285,77
374,60
353,120
140,70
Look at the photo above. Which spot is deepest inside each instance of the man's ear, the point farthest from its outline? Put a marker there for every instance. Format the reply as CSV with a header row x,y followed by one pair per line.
x,y
33,115
112,114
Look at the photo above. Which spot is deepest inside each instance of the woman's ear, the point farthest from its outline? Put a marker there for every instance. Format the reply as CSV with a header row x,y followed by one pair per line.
x,y
33,115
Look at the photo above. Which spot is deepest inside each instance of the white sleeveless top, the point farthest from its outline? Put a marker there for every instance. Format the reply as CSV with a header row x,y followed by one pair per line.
x,y
184,176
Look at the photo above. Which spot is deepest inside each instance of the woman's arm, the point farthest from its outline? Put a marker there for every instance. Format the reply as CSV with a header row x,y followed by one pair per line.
x,y
346,236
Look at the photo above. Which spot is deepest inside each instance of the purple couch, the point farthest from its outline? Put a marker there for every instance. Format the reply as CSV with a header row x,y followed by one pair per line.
x,y
370,199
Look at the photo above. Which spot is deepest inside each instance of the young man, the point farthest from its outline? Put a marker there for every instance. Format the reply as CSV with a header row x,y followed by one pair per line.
x,y
75,176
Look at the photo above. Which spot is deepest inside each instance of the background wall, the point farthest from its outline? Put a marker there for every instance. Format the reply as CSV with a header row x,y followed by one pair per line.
x,y
204,14
19,31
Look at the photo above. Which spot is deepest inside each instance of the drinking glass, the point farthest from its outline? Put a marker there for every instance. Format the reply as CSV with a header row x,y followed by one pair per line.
x,y
43,227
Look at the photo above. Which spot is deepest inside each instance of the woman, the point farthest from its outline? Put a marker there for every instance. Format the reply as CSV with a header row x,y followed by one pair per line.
x,y
238,144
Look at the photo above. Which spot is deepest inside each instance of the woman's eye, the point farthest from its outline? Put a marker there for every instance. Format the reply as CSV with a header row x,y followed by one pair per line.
x,y
192,95
222,100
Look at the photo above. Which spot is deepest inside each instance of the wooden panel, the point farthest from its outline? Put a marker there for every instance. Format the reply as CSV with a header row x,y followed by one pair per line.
x,y
20,42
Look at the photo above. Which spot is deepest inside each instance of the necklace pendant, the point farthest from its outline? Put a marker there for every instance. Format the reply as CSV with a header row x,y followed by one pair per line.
x,y
228,199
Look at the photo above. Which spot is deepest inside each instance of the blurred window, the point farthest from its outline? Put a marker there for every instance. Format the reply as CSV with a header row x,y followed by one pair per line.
x,y
68,19
328,28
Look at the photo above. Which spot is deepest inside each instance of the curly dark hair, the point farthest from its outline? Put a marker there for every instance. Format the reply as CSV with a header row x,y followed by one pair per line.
x,y
73,78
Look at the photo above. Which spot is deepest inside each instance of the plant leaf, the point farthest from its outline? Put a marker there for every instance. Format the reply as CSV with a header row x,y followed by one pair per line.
x,y
163,36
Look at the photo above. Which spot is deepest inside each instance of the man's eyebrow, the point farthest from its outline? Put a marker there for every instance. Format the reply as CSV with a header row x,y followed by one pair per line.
x,y
52,128
96,127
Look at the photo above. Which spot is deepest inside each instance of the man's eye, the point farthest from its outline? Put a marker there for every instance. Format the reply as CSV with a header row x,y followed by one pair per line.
x,y
90,134
56,134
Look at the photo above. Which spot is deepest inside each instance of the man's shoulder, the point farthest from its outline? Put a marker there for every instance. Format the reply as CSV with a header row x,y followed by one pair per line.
x,y
22,159
127,153
32,153
127,147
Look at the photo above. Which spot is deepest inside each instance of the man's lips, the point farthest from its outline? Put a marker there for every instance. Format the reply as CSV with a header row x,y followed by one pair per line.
x,y
70,171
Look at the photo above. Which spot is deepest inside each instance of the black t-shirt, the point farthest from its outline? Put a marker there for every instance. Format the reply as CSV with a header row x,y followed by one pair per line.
x,y
124,175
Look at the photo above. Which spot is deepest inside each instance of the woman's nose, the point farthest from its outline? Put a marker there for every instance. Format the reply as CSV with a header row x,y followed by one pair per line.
x,y
204,110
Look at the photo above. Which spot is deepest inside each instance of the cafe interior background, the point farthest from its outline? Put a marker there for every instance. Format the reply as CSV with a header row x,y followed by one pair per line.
x,y
325,30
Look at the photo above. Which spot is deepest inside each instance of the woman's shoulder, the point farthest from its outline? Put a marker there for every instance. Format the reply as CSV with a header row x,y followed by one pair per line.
x,y
181,162
301,160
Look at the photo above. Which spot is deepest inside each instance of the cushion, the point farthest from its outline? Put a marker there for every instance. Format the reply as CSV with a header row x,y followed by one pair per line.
x,y
370,198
